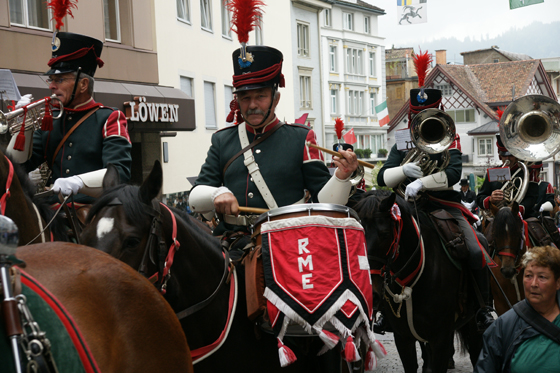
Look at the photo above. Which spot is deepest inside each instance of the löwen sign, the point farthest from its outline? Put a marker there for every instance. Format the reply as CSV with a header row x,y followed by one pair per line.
x,y
141,111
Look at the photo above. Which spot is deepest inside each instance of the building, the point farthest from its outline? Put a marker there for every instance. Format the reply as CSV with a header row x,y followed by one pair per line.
x,y
401,77
552,67
353,74
131,68
492,55
471,96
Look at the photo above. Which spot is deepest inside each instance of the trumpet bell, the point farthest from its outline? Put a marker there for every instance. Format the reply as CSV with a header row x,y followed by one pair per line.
x,y
432,131
530,128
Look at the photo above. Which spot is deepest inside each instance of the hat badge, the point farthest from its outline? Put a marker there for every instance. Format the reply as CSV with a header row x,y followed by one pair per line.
x,y
245,59
55,44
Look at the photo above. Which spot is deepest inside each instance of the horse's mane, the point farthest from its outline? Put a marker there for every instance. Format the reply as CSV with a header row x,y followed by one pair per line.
x,y
503,218
367,206
134,209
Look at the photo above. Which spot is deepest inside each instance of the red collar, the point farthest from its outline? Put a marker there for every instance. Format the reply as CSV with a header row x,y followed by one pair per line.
x,y
86,106
266,128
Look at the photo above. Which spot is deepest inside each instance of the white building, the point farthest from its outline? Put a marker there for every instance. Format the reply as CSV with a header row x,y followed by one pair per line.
x,y
195,47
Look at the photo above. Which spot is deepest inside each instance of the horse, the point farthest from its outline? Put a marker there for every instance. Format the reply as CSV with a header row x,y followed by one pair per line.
x,y
201,286
420,290
504,233
126,323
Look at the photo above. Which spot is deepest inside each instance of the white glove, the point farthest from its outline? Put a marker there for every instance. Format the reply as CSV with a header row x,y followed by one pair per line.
x,y
35,176
413,188
24,100
68,185
468,205
412,170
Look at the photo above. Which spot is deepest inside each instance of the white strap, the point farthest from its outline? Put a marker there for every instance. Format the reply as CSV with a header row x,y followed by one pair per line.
x,y
253,168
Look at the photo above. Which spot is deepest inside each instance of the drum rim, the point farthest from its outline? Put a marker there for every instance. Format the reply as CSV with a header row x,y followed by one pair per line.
x,y
306,206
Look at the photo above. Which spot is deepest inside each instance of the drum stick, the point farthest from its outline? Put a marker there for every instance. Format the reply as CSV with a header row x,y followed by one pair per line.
x,y
252,210
363,163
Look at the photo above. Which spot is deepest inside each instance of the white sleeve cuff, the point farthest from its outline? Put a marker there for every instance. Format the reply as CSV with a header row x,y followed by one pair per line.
x,y
335,191
218,192
394,176
437,181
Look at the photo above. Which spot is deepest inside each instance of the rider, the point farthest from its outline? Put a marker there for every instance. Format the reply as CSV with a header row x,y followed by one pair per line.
x,y
468,196
438,188
539,196
78,161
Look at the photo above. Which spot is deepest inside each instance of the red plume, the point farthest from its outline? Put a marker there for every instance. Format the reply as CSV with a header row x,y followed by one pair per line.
x,y
245,17
421,63
60,9
338,127
500,112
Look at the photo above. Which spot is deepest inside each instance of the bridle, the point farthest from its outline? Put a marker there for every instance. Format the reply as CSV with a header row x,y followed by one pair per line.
x,y
156,245
500,250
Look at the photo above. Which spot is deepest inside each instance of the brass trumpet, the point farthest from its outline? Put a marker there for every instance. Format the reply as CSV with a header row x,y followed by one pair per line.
x,y
12,121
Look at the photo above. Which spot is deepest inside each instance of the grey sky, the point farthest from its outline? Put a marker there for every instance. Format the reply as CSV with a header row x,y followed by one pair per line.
x,y
461,18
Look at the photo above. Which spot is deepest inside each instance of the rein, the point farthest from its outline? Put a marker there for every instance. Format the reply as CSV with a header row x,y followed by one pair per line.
x,y
7,193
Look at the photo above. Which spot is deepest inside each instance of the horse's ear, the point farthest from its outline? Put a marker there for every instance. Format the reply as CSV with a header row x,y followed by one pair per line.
x,y
493,209
387,203
152,185
111,177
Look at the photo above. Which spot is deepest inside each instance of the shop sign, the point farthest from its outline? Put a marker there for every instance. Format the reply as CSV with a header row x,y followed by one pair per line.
x,y
141,111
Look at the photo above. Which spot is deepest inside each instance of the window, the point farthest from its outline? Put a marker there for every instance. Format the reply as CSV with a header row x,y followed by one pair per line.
x,y
305,92
367,25
186,85
446,89
210,107
334,101
355,102
496,60
373,142
303,40
372,64
228,97
372,102
332,58
226,21
112,21
354,64
206,15
183,11
348,21
485,146
462,115
328,18
259,31
30,13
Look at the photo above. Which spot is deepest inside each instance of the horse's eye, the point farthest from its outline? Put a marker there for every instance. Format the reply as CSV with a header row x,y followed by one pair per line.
x,y
131,243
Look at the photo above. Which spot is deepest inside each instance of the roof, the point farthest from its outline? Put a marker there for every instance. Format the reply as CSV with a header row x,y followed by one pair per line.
x,y
397,53
488,128
510,55
357,4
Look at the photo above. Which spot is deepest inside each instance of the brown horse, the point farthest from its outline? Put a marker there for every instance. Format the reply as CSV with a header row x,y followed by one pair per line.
x,y
507,242
126,323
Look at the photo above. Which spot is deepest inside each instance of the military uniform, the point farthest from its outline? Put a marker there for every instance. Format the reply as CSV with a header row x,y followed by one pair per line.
x,y
101,139
286,163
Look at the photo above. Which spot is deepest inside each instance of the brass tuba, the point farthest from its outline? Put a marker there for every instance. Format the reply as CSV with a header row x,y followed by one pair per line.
x,y
11,121
530,130
432,131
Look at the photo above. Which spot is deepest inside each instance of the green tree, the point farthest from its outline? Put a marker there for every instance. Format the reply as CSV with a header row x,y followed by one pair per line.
x,y
374,173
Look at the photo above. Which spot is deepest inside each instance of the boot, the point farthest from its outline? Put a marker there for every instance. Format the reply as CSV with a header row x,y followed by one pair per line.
x,y
381,325
484,317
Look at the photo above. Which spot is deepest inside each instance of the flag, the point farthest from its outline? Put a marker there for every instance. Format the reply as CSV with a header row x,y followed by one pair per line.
x,y
413,11
382,113
349,137
302,119
514,4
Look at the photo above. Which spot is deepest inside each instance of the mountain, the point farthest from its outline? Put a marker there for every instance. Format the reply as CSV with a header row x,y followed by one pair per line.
x,y
537,40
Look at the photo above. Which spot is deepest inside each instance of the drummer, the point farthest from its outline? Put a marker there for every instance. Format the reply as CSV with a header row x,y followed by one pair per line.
x,y
279,167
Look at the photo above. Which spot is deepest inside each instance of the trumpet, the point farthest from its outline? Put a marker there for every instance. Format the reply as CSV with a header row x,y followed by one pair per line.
x,y
33,114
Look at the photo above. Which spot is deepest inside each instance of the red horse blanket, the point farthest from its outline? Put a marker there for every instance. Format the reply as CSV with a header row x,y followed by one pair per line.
x,y
317,275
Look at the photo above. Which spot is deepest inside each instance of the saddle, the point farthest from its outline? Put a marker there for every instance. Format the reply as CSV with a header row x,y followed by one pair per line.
x,y
552,229
451,235
537,232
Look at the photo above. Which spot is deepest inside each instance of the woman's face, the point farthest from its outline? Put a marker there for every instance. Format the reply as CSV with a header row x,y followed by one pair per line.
x,y
540,286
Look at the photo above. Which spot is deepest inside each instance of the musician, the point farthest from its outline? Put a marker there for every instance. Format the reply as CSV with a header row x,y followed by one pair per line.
x,y
283,163
539,196
468,196
101,137
438,189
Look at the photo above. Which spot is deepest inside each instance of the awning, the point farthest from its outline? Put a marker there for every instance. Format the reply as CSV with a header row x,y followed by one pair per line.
x,y
154,108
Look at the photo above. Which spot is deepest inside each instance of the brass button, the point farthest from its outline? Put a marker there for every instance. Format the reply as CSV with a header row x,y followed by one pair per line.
x,y
250,195
257,151
67,171
70,144
251,179
69,157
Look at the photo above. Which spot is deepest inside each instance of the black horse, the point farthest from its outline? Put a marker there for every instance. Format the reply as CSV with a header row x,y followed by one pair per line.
x,y
420,289
201,282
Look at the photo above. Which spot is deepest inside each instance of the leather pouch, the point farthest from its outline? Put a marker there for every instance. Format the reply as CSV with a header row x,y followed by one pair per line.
x,y
539,236
254,283
451,234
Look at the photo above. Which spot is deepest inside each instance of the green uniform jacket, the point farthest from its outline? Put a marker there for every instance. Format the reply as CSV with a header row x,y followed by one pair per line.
x,y
538,192
101,139
453,171
287,164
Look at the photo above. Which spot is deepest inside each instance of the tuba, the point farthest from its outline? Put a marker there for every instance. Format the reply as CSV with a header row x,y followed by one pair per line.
x,y
530,130
12,121
432,131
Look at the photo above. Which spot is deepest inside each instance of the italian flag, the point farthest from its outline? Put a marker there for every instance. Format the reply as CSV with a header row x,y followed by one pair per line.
x,y
382,113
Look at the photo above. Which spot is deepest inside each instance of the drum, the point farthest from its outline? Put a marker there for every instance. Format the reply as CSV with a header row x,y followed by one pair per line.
x,y
304,209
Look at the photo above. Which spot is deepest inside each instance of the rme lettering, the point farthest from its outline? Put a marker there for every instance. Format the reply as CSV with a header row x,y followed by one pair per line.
x,y
305,261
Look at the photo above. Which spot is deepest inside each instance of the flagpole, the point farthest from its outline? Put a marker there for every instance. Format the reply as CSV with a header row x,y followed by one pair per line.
x,y
328,151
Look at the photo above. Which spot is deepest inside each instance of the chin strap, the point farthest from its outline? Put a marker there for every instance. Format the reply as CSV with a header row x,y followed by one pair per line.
x,y
75,87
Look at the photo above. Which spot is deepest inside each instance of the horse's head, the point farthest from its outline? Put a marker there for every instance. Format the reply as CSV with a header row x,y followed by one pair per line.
x,y
507,234
120,221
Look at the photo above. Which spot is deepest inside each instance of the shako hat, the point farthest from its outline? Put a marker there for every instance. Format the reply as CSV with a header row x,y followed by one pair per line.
x,y
422,98
72,51
502,150
262,67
